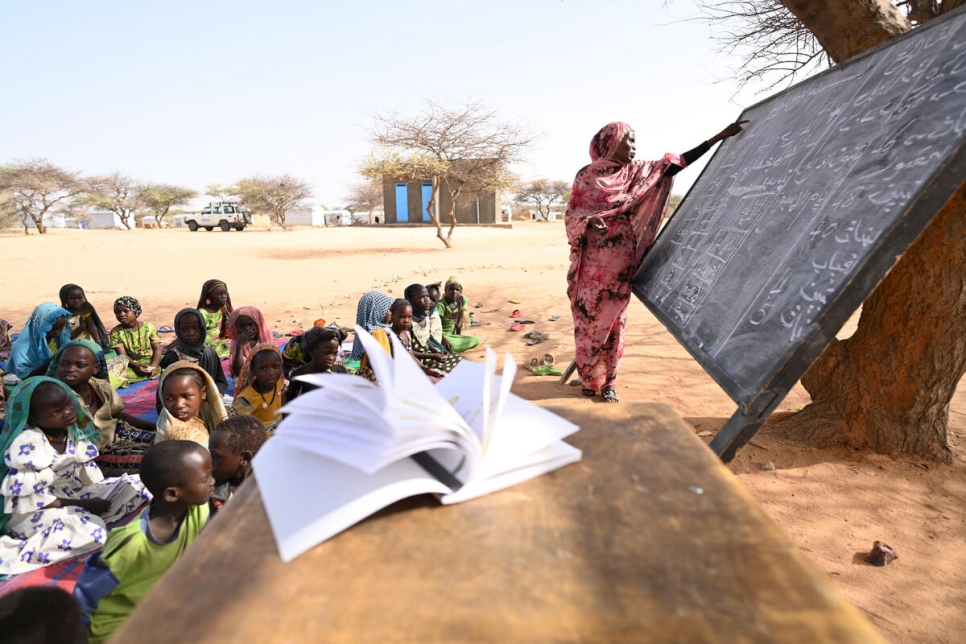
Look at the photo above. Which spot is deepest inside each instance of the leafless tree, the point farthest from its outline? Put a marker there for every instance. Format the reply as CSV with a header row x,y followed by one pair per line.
x,y
464,147
365,196
781,40
116,192
160,198
542,194
889,385
37,187
272,195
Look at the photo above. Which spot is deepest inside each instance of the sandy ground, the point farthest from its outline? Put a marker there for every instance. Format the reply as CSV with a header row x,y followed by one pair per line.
x,y
832,503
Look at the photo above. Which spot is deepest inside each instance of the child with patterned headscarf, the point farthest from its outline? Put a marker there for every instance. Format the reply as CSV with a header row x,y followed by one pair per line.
x,y
215,306
137,341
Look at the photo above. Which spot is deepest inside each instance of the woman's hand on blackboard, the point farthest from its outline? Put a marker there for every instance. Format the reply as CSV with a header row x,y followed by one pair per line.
x,y
728,132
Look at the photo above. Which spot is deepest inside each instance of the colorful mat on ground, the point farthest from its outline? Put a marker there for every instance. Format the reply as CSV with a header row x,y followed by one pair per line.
x,y
63,574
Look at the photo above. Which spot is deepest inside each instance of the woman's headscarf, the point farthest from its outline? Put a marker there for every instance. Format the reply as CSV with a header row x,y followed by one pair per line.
x,y
239,346
18,411
129,302
370,315
86,307
607,187
200,351
208,289
30,350
212,408
246,377
91,346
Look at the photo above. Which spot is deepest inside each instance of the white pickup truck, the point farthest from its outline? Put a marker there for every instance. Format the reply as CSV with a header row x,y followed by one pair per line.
x,y
224,214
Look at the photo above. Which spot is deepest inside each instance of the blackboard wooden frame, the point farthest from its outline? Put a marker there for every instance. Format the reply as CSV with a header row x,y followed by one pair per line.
x,y
759,394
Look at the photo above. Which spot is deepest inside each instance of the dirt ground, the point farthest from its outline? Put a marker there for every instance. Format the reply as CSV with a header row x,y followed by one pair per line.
x,y
832,503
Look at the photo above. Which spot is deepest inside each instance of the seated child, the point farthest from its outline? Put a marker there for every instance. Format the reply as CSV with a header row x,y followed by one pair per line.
x,y
233,445
136,555
322,346
123,438
454,313
40,614
372,313
192,404
401,313
84,322
426,331
137,341
260,391
215,307
247,328
433,290
293,353
45,331
56,502
190,345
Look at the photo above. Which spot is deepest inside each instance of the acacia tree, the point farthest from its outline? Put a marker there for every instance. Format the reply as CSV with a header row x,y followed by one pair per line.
x,y
37,187
464,147
160,198
542,194
220,192
272,195
116,192
888,386
366,195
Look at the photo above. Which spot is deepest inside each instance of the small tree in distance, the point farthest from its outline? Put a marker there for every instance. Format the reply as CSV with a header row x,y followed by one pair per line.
x,y
542,194
272,195
160,198
36,187
366,196
466,146
116,192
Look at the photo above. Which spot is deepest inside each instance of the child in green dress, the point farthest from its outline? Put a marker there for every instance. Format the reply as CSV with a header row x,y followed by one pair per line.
x,y
454,314
215,306
137,341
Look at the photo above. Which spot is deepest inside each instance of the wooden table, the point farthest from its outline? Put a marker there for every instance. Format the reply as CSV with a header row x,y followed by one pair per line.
x,y
648,539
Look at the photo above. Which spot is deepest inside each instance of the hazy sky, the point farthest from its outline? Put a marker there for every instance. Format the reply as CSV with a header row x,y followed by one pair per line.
x,y
203,92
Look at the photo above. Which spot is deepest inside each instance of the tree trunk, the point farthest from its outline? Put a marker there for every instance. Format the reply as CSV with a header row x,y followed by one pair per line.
x,y
888,387
432,208
848,27
453,194
124,216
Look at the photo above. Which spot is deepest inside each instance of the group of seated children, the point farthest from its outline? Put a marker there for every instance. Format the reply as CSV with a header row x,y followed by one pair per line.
x,y
58,505
66,428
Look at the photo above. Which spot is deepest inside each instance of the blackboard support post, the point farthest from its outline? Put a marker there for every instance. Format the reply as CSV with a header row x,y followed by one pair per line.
x,y
734,435
743,425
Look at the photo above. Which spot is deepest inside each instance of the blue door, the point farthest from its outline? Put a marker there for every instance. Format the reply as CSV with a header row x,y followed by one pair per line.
x,y
402,202
427,196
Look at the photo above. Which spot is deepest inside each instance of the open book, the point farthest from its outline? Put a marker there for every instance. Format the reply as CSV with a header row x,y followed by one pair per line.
x,y
351,448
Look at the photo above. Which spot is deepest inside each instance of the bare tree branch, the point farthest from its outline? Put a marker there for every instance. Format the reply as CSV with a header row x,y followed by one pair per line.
x,y
466,147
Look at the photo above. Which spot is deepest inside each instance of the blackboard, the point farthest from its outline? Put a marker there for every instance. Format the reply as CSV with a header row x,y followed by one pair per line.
x,y
794,221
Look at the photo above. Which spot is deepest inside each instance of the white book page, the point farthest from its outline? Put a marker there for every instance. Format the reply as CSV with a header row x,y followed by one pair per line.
x,y
546,460
521,430
310,498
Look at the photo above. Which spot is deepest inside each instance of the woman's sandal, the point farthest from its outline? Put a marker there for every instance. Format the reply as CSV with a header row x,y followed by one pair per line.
x,y
608,394
590,393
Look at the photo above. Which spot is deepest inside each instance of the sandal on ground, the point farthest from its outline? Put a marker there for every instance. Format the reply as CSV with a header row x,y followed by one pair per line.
x,y
590,393
608,394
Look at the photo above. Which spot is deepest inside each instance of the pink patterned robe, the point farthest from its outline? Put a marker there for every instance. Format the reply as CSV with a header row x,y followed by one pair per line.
x,y
631,199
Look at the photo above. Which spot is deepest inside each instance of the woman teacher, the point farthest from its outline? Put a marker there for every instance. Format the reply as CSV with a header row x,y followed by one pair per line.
x,y
615,208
